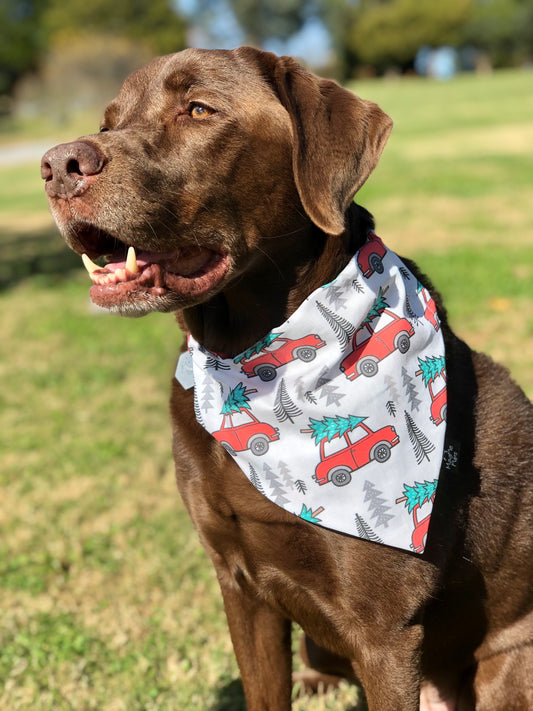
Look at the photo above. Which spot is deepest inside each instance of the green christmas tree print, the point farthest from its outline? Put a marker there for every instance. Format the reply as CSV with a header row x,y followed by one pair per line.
x,y
308,515
257,347
236,401
377,307
418,494
431,368
330,427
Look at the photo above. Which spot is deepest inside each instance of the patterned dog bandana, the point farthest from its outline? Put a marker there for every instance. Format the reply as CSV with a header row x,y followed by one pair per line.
x,y
338,416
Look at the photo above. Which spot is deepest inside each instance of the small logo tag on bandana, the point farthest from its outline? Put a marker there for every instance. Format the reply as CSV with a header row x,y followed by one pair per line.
x,y
339,414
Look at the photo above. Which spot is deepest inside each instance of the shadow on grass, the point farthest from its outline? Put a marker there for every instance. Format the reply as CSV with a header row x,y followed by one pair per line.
x,y
231,698
27,254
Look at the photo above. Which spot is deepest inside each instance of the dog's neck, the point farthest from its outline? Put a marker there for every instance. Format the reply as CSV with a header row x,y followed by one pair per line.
x,y
281,276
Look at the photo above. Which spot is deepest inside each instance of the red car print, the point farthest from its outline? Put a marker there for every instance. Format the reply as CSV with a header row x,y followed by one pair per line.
x,y
242,431
437,391
374,341
370,257
343,455
420,533
430,312
280,352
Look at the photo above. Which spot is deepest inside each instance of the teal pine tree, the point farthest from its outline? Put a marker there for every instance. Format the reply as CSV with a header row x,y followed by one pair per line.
x,y
330,427
236,401
431,368
308,515
377,308
257,347
418,494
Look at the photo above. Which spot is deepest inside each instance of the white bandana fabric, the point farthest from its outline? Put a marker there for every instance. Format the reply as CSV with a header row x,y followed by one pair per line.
x,y
339,414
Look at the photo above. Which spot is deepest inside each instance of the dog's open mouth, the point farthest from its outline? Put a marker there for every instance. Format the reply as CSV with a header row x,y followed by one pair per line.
x,y
135,282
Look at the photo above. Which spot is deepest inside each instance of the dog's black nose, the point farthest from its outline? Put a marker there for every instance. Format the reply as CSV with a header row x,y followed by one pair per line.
x,y
68,167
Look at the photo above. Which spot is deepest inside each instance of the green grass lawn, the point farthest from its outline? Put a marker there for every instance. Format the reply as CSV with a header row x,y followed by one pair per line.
x,y
108,602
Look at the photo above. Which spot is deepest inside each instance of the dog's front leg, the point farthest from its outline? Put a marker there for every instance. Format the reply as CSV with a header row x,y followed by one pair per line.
x,y
390,671
261,639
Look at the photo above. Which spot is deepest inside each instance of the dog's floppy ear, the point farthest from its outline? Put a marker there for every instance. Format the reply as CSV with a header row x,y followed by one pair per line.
x,y
338,139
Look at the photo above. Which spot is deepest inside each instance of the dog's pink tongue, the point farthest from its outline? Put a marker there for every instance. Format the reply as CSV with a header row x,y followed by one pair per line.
x,y
185,263
188,262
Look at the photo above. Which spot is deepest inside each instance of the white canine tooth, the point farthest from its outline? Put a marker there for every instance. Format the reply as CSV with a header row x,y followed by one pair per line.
x,y
131,261
89,265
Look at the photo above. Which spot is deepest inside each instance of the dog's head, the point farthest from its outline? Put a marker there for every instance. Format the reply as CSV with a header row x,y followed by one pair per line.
x,y
202,159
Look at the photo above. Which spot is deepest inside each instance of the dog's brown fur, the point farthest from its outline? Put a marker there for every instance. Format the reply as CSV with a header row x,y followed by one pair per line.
x,y
267,179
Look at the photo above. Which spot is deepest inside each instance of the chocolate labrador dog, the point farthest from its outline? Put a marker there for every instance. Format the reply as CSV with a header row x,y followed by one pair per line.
x,y
220,187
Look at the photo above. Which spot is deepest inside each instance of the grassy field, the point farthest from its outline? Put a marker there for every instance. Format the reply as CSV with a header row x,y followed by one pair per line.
x,y
107,600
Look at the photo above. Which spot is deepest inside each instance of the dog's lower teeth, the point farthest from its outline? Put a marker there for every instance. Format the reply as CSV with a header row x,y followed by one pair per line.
x,y
104,275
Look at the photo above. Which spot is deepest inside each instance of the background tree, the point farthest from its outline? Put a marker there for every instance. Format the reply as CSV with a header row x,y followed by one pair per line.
x,y
154,23
81,49
21,40
503,29
260,21
391,32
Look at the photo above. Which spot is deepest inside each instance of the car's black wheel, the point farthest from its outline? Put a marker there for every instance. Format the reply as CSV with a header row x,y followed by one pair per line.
x,y
367,367
305,353
340,476
376,263
403,342
265,372
258,445
381,452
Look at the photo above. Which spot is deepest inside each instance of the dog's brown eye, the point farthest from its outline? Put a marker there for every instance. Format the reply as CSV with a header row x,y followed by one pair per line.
x,y
199,111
